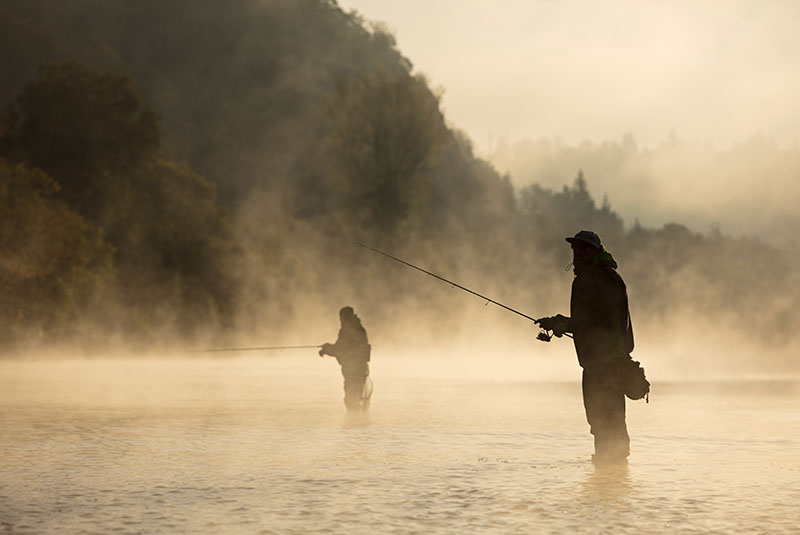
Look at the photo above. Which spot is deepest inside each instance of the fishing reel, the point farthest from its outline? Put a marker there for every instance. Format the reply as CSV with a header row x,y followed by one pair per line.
x,y
546,336
543,336
553,326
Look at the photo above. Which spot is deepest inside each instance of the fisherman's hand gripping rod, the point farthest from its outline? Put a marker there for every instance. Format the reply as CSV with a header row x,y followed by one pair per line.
x,y
543,335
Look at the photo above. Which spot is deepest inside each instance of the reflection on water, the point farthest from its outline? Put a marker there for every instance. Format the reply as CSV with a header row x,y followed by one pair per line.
x,y
265,446
607,484
353,420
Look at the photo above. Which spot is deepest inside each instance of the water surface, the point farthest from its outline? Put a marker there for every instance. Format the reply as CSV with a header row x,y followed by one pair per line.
x,y
263,446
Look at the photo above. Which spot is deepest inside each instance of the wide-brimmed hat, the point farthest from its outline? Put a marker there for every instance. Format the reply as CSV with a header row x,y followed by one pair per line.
x,y
586,236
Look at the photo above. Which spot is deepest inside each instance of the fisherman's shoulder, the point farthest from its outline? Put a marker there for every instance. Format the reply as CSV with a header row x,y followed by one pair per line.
x,y
354,328
606,275
612,276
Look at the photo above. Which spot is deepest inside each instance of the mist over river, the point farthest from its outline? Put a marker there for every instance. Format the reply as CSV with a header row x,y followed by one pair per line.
x,y
262,445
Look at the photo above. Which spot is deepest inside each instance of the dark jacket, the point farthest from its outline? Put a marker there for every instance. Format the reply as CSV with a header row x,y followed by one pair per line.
x,y
599,317
352,348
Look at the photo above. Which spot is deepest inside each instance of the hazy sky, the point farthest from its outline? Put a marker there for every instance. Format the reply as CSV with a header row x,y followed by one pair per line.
x,y
582,69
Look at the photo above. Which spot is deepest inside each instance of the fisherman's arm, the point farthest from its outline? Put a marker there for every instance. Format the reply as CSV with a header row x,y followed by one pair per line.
x,y
334,349
596,308
559,324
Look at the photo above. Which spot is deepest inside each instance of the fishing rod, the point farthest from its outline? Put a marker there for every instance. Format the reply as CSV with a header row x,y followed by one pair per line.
x,y
266,348
543,336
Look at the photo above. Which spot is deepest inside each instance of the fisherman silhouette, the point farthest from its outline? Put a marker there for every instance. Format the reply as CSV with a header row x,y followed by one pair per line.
x,y
601,326
352,352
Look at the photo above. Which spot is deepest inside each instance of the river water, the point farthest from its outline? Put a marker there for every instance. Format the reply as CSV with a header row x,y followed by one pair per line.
x,y
261,446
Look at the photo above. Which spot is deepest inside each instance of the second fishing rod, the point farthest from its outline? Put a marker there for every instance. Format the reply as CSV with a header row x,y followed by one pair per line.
x,y
543,336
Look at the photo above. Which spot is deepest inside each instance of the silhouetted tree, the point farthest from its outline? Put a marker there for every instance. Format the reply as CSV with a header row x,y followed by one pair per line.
x,y
86,128
89,131
385,130
53,264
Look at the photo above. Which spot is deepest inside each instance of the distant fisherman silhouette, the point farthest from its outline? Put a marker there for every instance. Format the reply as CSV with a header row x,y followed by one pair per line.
x,y
603,335
352,351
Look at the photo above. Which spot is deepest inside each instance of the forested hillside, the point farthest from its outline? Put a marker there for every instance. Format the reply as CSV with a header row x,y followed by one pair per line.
x,y
187,170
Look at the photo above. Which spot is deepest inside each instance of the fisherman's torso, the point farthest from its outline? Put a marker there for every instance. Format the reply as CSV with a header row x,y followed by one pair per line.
x,y
599,316
353,350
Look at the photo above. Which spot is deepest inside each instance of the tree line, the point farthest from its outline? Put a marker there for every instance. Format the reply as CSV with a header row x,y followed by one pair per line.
x,y
179,171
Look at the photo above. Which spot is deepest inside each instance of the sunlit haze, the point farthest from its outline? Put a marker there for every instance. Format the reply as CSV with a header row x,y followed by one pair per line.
x,y
399,266
585,70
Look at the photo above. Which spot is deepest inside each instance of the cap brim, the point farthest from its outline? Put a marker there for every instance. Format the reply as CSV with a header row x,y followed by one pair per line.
x,y
572,240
